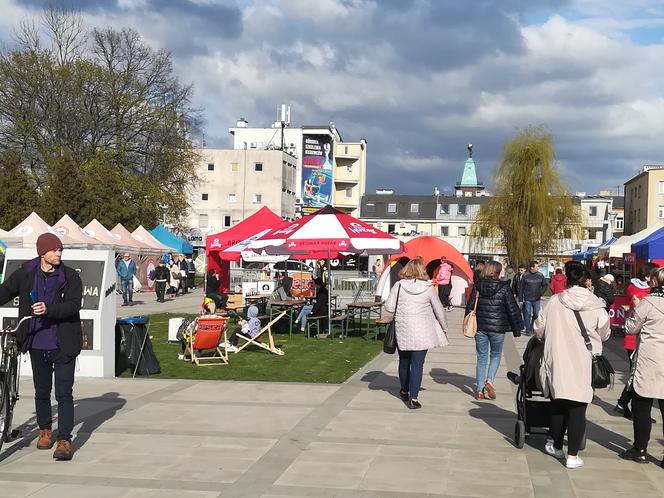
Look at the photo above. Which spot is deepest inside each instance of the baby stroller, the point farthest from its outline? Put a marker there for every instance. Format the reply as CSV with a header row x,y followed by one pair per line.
x,y
532,407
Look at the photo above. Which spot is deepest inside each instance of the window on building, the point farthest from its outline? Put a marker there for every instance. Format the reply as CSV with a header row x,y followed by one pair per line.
x,y
592,210
235,167
567,233
444,209
461,231
444,231
638,215
346,149
202,221
620,224
639,191
349,192
391,228
258,167
258,198
414,208
661,187
204,197
227,221
231,198
370,207
660,212
210,167
461,210
391,207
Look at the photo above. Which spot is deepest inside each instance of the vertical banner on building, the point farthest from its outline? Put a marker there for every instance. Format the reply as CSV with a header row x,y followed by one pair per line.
x,y
317,164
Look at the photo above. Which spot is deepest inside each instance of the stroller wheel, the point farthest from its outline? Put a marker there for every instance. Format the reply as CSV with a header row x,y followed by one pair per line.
x,y
519,434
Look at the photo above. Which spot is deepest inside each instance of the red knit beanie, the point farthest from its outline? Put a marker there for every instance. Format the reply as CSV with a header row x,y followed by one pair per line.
x,y
47,242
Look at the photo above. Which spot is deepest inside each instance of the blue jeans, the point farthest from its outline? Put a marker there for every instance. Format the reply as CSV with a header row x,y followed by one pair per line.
x,y
46,363
304,313
484,340
127,288
411,364
531,310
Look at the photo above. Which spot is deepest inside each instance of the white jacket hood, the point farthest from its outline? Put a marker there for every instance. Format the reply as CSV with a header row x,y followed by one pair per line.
x,y
415,286
580,299
640,284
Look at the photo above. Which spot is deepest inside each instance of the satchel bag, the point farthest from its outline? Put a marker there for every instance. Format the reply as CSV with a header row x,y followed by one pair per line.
x,y
470,321
602,371
390,339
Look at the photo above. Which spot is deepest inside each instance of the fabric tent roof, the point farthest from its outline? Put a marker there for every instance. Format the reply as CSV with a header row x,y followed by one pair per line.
x,y
8,240
624,243
652,247
67,226
261,220
98,231
33,226
129,240
163,235
432,248
145,237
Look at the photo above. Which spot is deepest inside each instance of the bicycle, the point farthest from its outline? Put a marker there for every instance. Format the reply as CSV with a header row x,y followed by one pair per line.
x,y
9,377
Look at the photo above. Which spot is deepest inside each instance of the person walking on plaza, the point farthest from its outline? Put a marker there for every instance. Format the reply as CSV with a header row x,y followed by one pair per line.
x,y
173,277
638,288
161,276
531,287
182,265
51,292
516,280
567,363
420,324
444,281
126,269
497,313
646,380
558,282
191,272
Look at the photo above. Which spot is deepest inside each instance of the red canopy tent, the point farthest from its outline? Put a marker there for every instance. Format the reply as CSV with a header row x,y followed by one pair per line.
x,y
214,244
432,249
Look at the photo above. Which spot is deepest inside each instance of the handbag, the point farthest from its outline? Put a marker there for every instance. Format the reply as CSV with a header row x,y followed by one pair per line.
x,y
390,339
470,320
602,371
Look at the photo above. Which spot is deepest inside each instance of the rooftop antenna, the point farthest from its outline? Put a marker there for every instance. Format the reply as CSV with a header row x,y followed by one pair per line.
x,y
284,119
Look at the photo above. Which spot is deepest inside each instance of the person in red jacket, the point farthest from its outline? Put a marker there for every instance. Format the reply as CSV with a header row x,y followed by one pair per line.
x,y
638,288
558,282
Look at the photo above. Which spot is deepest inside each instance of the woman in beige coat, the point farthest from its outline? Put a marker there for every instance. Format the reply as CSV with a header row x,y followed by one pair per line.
x,y
419,323
567,364
647,379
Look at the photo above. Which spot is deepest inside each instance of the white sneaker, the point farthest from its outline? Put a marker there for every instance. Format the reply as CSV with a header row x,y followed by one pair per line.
x,y
231,349
551,450
573,462
180,357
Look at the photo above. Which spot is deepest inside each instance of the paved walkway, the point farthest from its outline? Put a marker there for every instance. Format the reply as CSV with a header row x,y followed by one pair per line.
x,y
165,438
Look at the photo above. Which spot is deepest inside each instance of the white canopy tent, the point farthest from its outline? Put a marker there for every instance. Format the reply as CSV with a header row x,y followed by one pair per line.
x,y
624,244
66,226
29,230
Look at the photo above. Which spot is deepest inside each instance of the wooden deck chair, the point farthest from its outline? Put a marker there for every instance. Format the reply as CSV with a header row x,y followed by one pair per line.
x,y
209,332
270,340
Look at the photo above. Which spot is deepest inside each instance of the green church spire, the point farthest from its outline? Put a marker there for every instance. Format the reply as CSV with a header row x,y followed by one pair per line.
x,y
469,178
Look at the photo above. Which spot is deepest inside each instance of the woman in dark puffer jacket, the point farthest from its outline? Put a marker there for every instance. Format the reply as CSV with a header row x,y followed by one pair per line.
x,y
497,313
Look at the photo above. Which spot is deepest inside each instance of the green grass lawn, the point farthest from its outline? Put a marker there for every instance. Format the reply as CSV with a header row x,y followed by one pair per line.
x,y
306,360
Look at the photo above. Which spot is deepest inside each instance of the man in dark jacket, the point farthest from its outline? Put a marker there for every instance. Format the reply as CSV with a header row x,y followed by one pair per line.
x,y
531,287
161,276
51,292
516,280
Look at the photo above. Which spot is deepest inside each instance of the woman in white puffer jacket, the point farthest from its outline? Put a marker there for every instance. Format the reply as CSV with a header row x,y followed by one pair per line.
x,y
420,324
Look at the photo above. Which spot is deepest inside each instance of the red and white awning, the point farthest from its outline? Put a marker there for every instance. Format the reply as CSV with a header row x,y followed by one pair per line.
x,y
326,230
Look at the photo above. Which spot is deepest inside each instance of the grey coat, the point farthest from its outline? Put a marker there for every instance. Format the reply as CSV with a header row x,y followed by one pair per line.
x,y
648,370
567,364
420,322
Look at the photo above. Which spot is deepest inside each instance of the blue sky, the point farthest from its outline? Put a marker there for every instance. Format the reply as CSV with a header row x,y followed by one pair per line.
x,y
420,79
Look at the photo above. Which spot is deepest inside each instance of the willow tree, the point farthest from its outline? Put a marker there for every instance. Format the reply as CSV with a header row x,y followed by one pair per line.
x,y
531,208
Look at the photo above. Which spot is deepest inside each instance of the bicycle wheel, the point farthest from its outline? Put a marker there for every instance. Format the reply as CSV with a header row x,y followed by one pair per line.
x,y
12,397
4,408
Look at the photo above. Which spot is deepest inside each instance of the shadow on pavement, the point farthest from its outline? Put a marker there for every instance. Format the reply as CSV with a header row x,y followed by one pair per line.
x,y
380,381
464,383
92,422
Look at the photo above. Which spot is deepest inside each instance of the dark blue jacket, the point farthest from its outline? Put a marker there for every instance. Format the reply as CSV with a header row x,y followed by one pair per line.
x,y
497,310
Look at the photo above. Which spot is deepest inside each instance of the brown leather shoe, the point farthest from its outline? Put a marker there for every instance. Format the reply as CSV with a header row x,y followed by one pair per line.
x,y
62,450
479,396
490,390
45,441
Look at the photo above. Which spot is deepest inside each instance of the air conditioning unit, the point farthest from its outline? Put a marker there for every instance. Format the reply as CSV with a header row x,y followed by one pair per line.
x,y
252,145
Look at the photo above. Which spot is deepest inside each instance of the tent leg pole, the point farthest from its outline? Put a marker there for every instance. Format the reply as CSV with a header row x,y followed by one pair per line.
x,y
329,296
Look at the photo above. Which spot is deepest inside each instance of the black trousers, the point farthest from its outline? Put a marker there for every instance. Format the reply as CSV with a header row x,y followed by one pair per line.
x,y
568,416
160,289
641,408
626,395
191,279
46,363
444,294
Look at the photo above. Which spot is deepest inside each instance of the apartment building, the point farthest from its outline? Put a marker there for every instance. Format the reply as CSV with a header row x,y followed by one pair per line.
x,y
644,199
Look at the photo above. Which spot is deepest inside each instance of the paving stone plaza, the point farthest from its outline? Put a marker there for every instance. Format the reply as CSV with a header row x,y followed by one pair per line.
x,y
180,438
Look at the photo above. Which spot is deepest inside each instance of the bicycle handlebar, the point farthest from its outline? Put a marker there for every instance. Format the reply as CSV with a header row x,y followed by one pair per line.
x,y
12,331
